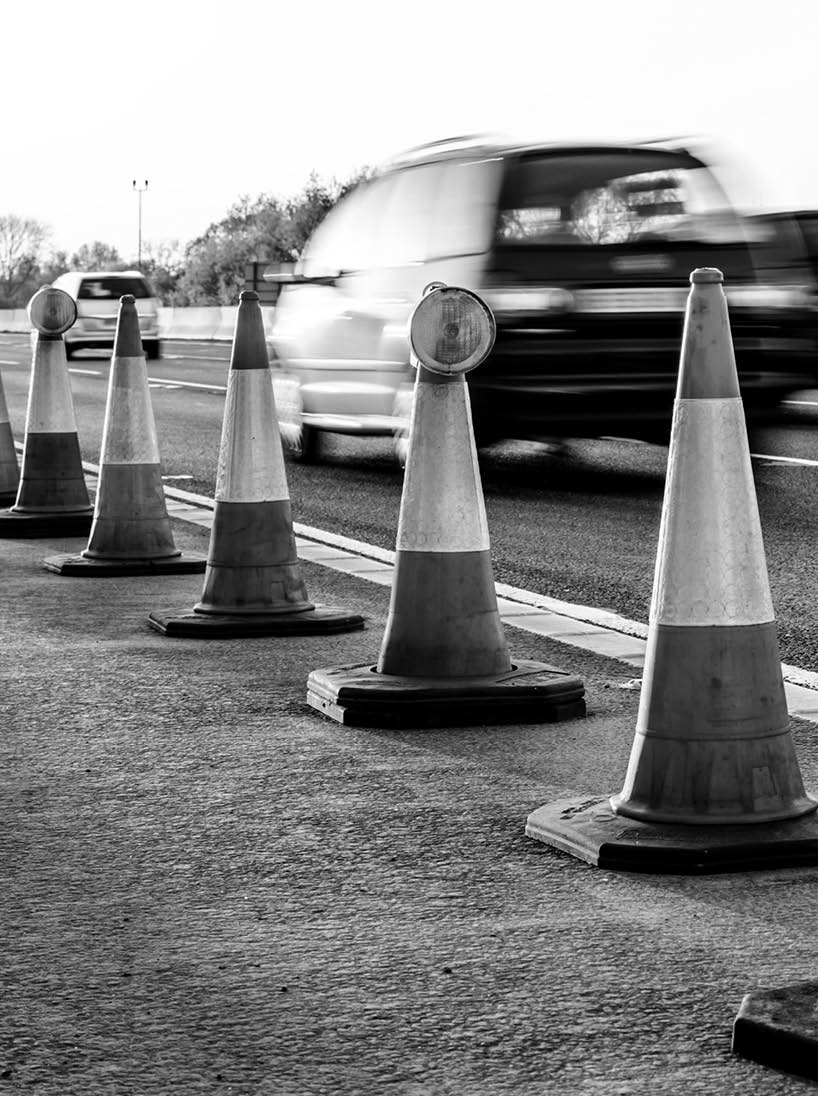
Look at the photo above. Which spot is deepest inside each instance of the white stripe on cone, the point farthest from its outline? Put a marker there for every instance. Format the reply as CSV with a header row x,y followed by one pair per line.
x,y
50,407
710,565
442,509
129,432
251,461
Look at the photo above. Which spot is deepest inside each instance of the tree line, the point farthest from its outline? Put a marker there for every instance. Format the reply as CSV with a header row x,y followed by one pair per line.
x,y
208,270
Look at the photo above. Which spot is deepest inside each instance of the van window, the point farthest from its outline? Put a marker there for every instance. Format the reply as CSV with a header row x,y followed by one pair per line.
x,y
106,289
613,198
465,208
406,233
347,237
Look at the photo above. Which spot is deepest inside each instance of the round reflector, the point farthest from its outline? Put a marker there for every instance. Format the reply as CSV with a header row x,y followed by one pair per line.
x,y
451,330
51,311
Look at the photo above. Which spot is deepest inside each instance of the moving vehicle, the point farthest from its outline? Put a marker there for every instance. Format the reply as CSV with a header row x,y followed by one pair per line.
x,y
584,254
97,296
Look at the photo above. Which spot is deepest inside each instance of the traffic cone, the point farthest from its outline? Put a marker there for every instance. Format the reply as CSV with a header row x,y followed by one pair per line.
x,y
131,532
9,465
253,585
52,498
444,658
713,781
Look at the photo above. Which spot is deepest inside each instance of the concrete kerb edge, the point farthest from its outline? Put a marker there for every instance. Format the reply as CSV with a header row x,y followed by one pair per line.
x,y
800,683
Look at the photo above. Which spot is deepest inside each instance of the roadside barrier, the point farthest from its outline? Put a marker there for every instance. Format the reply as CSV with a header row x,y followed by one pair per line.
x,y
713,781
131,532
444,659
9,465
52,497
253,583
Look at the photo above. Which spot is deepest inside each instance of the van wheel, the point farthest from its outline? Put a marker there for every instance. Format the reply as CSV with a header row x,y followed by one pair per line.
x,y
68,351
303,445
152,352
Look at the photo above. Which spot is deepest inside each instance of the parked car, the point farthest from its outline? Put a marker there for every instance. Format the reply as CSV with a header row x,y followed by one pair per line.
x,y
97,296
584,254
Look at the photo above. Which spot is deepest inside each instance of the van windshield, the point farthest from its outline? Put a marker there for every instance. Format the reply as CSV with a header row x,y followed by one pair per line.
x,y
106,289
613,197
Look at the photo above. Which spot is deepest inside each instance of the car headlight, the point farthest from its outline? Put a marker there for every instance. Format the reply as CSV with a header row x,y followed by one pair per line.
x,y
528,300
770,296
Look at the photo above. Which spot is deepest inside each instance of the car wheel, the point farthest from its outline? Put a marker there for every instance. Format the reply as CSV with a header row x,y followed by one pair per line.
x,y
152,351
68,351
402,412
300,443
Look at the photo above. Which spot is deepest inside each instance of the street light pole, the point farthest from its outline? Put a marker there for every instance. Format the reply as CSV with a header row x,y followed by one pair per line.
x,y
139,190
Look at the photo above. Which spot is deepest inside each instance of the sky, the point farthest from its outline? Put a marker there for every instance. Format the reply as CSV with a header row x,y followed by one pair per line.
x,y
212,101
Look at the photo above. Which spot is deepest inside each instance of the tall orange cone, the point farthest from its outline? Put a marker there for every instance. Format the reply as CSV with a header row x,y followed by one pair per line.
x,y
713,781
131,532
9,465
52,498
444,658
253,584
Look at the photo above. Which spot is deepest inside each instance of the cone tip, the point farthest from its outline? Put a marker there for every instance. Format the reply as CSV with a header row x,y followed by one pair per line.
x,y
127,340
248,295
127,298
706,275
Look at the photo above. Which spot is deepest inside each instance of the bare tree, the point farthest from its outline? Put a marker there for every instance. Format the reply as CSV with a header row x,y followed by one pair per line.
x,y
21,246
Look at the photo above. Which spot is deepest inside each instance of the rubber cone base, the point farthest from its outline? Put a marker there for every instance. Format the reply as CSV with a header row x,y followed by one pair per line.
x,y
531,692
84,567
22,525
588,829
320,620
779,1028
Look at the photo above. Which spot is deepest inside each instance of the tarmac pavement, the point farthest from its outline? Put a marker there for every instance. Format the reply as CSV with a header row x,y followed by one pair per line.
x,y
210,888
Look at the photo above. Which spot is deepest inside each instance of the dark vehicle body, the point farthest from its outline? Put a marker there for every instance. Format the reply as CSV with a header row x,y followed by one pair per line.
x,y
584,254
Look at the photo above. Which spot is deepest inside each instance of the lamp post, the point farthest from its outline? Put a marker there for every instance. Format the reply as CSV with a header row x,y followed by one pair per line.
x,y
139,190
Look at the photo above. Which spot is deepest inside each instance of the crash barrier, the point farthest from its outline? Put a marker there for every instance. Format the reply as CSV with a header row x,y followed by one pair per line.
x,y
253,584
131,532
211,322
444,659
52,497
713,781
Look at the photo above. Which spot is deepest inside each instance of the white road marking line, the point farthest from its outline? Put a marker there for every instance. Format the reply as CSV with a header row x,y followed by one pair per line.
x,y
786,460
196,357
87,372
801,403
187,384
4,362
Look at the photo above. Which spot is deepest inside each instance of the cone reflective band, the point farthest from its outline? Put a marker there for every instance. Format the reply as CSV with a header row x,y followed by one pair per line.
x,y
253,584
52,311
713,781
444,659
131,531
52,497
451,330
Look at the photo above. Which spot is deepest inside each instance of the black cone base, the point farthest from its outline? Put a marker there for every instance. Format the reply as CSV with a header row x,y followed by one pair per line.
x,y
13,525
588,829
321,620
83,567
779,1028
531,692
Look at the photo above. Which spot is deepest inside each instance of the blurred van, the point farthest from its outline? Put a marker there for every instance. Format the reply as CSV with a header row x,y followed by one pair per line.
x,y
584,254
97,296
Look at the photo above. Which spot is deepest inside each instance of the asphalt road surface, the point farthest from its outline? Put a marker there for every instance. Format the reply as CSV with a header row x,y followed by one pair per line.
x,y
580,525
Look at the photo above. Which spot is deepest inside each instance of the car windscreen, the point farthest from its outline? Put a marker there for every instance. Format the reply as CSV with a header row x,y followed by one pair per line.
x,y
612,197
106,289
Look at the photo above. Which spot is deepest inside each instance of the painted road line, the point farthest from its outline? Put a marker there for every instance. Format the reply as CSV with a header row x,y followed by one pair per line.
x,y
157,381
196,357
4,362
785,460
87,372
801,403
